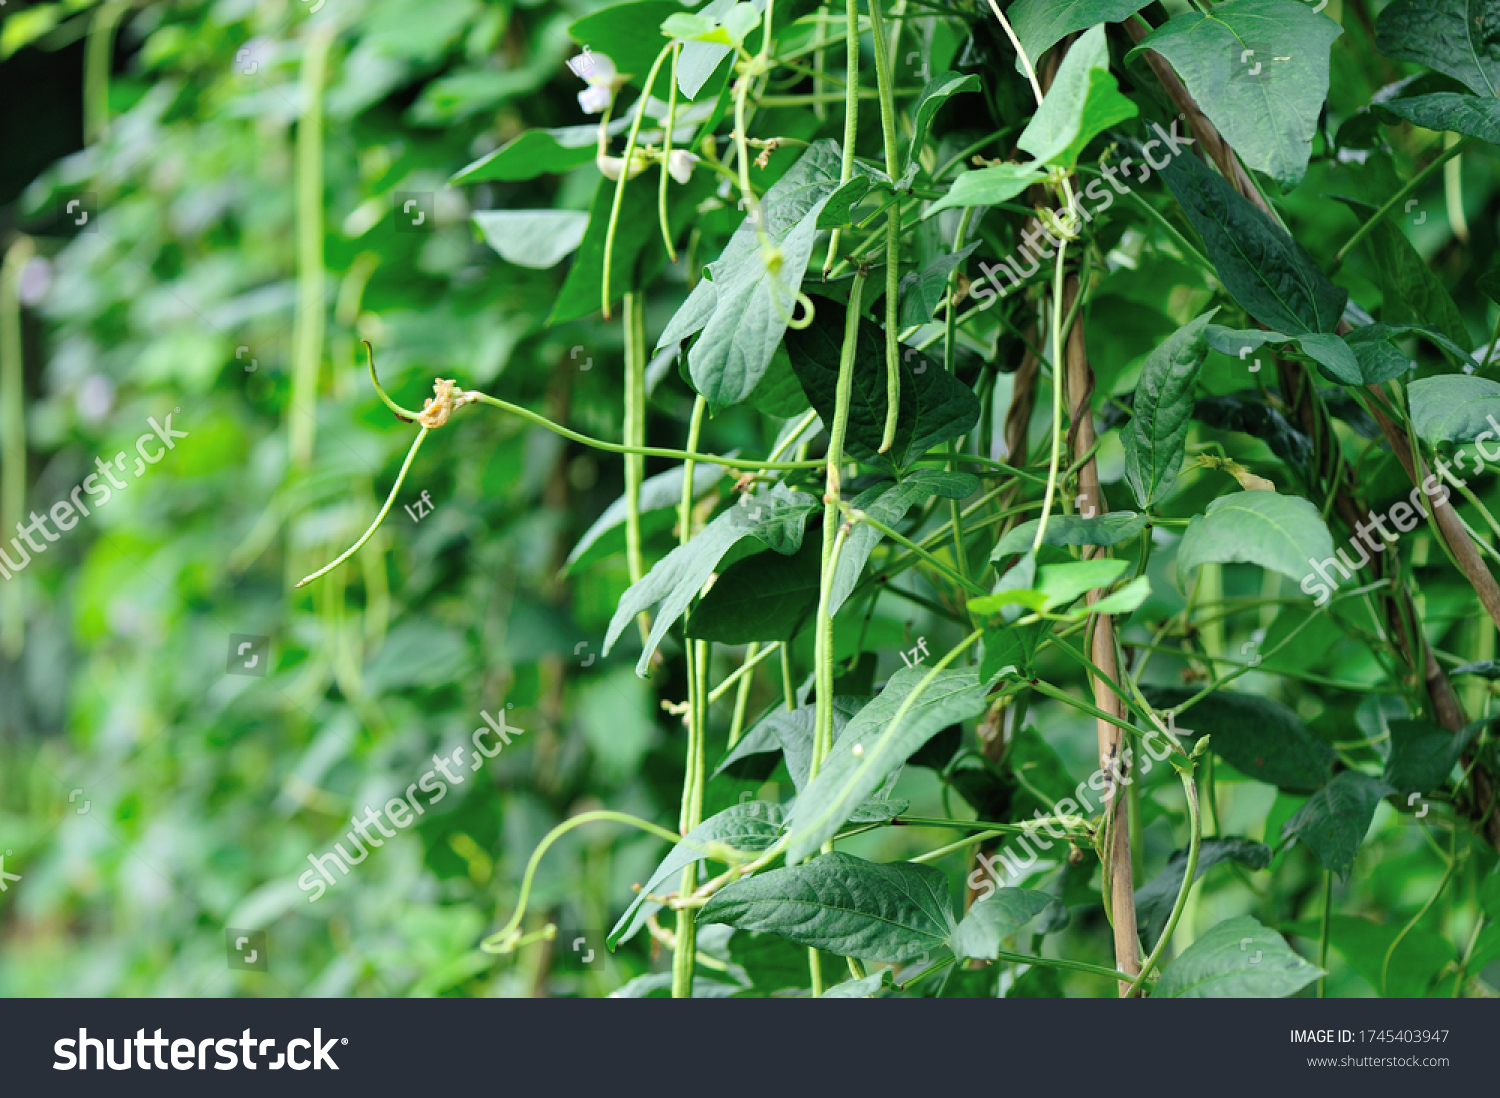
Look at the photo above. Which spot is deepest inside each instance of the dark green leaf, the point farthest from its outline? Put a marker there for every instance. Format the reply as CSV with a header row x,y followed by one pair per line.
x,y
1423,755
1259,737
935,406
629,34
1471,115
1265,270
775,517
761,598
1456,37
1040,24
1412,293
1154,901
1255,418
886,913
941,88
1155,438
1334,820
923,291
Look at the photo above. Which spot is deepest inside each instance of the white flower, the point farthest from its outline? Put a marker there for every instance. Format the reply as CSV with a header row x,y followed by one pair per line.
x,y
680,165
596,98
614,166
602,71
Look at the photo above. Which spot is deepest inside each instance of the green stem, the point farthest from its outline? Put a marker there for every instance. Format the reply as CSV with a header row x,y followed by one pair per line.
x,y
906,543
742,695
823,635
98,55
13,434
614,210
1189,874
851,114
1323,930
379,518
893,225
1396,199
307,339
508,937
666,154
648,451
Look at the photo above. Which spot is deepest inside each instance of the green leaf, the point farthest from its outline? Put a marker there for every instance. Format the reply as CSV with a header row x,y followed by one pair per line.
x,y
1336,360
694,28
1258,736
1423,755
789,731
1083,101
662,490
935,405
888,503
638,251
1156,436
1060,584
1154,901
987,187
1334,820
871,747
838,211
1041,24
1412,293
1238,959
1010,646
1265,270
532,238
863,988
1471,115
1126,599
533,153
761,598
775,517
994,919
923,291
1259,70
739,21
1456,37
941,88
743,306
1105,530
747,828
846,905
1283,534
1453,407
1228,413
628,34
